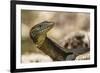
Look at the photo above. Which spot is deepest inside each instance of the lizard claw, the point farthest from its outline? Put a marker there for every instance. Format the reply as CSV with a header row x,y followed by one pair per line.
x,y
71,57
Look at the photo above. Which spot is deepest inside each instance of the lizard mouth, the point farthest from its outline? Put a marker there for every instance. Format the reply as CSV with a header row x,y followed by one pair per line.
x,y
49,25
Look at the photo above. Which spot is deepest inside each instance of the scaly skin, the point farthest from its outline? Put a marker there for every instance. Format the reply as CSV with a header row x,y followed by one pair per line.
x,y
38,34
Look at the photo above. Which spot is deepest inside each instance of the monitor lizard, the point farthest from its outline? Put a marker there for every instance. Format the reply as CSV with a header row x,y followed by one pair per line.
x,y
38,34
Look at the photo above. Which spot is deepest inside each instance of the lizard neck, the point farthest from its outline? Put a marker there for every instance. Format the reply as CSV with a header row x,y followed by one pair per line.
x,y
39,39
50,48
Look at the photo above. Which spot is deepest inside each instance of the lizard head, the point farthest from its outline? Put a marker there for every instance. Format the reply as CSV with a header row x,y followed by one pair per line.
x,y
38,32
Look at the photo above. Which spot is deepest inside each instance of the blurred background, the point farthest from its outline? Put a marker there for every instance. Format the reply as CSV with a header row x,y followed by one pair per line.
x,y
65,23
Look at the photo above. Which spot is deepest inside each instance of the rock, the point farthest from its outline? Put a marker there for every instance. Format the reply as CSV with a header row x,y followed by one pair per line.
x,y
78,39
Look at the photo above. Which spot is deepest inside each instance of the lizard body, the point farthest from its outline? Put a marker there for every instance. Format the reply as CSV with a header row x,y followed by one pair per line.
x,y
38,33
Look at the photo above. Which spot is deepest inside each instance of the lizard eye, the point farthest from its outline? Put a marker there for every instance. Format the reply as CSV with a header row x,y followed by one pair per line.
x,y
40,26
